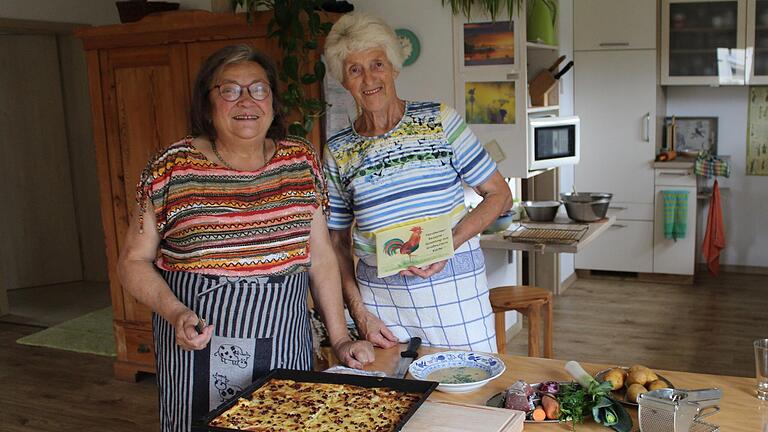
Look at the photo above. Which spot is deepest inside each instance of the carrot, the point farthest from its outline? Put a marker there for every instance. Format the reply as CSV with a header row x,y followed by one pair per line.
x,y
551,406
538,414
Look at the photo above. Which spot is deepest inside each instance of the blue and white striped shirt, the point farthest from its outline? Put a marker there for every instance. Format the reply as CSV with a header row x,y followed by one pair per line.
x,y
413,172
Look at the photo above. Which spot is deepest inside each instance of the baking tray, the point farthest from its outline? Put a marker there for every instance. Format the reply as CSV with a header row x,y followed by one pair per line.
x,y
425,388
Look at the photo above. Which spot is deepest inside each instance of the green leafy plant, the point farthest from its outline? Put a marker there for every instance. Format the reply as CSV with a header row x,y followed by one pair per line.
x,y
298,26
490,7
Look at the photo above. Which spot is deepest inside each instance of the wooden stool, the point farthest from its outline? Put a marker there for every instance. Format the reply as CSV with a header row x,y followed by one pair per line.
x,y
528,300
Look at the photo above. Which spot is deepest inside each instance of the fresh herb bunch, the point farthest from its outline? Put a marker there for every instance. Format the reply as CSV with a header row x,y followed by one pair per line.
x,y
591,396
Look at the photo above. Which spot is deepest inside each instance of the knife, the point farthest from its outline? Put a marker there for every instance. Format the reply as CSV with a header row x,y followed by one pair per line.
x,y
406,357
564,70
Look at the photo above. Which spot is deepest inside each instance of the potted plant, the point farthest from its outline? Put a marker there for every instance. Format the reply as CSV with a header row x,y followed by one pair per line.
x,y
297,25
490,7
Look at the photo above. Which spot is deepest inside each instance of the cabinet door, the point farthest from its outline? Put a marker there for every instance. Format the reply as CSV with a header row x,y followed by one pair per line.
x,y
625,246
757,42
703,42
615,97
670,255
146,104
614,24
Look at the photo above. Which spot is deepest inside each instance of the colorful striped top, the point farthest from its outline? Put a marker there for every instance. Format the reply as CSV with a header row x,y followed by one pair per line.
x,y
225,222
411,173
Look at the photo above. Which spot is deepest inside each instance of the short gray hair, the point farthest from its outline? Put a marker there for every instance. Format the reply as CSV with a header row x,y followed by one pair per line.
x,y
356,32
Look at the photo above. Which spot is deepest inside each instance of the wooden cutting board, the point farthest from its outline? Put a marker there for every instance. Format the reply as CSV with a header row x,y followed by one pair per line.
x,y
459,417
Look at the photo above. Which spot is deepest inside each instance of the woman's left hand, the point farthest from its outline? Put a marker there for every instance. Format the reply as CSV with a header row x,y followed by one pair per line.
x,y
354,354
425,272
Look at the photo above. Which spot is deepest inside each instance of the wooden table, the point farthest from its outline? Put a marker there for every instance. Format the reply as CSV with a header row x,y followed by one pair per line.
x,y
740,410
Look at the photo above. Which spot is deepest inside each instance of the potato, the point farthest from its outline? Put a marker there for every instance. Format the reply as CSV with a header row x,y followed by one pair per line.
x,y
638,376
657,384
633,391
652,376
616,377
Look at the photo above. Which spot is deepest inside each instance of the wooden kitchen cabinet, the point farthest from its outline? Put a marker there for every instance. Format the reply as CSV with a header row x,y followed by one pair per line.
x,y
140,77
621,106
703,42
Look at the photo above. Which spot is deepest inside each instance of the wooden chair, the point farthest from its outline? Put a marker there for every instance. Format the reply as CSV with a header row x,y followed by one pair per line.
x,y
529,301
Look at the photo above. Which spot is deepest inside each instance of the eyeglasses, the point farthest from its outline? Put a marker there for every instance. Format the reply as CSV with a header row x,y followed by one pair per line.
x,y
231,92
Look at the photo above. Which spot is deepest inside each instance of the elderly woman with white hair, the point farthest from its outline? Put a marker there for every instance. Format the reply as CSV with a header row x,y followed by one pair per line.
x,y
402,162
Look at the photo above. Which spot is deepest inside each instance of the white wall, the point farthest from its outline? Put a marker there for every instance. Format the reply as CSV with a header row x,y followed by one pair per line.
x,y
744,199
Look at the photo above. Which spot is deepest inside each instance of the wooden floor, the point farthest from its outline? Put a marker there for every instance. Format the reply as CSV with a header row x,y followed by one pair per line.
x,y
707,327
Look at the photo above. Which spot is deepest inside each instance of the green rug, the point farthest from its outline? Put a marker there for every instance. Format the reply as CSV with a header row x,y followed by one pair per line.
x,y
90,333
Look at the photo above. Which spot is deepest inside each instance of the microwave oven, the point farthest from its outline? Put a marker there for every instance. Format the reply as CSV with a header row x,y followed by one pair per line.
x,y
552,142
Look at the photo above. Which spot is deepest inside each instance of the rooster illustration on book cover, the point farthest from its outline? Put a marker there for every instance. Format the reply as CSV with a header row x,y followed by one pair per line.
x,y
396,245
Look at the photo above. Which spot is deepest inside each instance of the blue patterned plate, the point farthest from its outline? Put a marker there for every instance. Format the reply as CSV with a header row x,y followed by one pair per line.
x,y
457,371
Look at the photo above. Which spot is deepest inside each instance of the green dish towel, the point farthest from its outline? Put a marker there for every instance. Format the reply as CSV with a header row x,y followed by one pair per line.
x,y
675,214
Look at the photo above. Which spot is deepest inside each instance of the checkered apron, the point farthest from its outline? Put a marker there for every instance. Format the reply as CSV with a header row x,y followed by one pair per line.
x,y
451,309
260,323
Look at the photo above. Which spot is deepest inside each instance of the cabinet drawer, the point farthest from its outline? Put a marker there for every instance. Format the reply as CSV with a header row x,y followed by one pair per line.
x,y
139,346
632,211
675,177
625,246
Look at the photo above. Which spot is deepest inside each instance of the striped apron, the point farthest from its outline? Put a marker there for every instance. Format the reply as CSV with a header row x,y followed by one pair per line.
x,y
260,323
451,309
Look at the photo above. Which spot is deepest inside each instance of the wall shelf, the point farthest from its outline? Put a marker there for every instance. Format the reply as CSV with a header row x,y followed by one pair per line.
x,y
541,46
544,109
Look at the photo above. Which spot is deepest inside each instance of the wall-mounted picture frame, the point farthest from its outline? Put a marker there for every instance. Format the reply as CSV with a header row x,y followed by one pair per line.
x,y
489,102
489,43
484,45
693,134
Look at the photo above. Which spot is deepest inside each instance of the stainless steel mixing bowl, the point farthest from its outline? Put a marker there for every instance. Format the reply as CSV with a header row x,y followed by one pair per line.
x,y
541,211
586,206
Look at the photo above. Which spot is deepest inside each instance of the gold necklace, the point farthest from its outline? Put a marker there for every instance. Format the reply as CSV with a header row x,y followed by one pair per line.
x,y
221,159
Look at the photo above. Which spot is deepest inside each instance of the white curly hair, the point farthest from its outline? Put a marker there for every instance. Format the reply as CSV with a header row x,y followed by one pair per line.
x,y
359,31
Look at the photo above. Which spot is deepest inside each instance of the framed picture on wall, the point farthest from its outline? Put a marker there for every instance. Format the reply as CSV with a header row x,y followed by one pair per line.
x,y
489,102
692,134
485,45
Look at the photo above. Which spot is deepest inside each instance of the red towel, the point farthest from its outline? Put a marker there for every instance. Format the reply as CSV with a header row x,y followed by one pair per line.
x,y
714,238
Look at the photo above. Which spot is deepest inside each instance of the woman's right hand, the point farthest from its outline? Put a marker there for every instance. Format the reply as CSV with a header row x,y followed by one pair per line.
x,y
372,329
186,334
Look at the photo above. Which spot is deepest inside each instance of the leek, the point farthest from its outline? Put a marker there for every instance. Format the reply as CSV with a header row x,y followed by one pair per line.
x,y
605,410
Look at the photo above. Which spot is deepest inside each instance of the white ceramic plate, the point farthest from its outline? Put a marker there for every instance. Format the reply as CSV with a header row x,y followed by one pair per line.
x,y
424,366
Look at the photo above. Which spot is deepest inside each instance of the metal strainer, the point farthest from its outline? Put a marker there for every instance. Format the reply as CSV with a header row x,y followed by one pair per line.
x,y
674,410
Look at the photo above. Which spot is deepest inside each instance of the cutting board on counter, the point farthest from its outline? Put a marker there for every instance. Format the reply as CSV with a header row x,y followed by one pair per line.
x,y
460,417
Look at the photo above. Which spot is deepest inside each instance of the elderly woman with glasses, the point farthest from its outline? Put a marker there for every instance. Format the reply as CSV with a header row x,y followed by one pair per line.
x,y
398,163
229,237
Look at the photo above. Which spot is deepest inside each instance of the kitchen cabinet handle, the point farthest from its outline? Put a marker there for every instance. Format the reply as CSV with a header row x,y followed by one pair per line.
x,y
614,44
647,128
618,226
674,174
143,348
617,208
